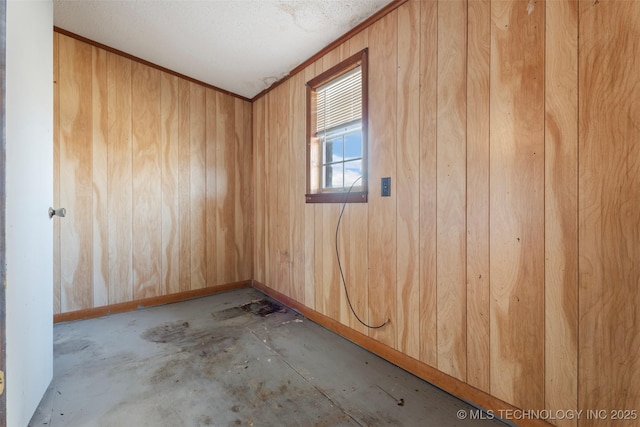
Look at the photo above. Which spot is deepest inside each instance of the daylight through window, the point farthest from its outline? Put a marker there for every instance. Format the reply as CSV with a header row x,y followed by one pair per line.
x,y
336,154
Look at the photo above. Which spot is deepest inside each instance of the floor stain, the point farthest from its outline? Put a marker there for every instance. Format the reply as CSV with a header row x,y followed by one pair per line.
x,y
229,313
206,421
263,307
378,418
204,342
169,332
71,346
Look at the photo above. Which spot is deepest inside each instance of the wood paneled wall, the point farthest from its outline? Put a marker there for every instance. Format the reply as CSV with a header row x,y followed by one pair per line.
x,y
478,110
609,207
156,175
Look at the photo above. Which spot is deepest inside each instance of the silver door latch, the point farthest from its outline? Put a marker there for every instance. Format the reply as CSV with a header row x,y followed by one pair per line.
x,y
62,212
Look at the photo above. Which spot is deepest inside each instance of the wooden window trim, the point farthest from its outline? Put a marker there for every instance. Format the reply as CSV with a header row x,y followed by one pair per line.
x,y
360,196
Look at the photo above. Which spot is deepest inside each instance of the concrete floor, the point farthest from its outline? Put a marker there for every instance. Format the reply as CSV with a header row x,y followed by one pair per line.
x,y
212,362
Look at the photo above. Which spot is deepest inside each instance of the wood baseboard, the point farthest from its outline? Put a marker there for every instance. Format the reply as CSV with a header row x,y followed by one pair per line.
x,y
428,373
90,313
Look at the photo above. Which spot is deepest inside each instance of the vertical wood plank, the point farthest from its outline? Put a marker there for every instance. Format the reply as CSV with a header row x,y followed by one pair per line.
x,y
428,163
212,201
561,221
236,223
56,174
270,178
198,155
309,228
318,294
451,182
169,168
609,207
282,166
356,224
267,231
271,148
517,203
76,238
244,195
478,297
147,193
382,163
298,186
100,177
184,184
332,294
259,182
226,248
408,172
119,164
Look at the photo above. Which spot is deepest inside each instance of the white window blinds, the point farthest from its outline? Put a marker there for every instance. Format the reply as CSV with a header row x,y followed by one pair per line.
x,y
340,101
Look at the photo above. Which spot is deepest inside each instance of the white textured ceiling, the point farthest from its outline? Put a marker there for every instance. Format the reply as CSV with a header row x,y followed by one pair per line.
x,y
242,46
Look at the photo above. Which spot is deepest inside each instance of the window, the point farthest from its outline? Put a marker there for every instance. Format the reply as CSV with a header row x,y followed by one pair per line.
x,y
337,133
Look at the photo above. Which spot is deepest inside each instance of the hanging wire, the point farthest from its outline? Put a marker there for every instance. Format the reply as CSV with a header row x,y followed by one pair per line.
x,y
344,283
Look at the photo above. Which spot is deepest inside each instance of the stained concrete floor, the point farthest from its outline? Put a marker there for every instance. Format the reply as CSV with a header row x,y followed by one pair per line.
x,y
215,361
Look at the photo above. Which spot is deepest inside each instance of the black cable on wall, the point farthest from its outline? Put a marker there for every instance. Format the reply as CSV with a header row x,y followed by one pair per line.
x,y
344,283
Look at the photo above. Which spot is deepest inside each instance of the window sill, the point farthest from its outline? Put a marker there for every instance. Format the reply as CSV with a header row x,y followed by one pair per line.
x,y
353,197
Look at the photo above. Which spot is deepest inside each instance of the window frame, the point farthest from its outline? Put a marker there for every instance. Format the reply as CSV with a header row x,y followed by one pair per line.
x,y
315,193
